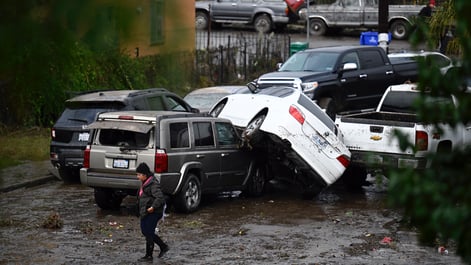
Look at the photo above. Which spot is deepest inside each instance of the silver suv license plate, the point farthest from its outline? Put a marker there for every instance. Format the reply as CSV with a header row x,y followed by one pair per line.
x,y
121,163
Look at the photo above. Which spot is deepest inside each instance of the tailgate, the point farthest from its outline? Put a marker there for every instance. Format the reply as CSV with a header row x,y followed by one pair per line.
x,y
376,137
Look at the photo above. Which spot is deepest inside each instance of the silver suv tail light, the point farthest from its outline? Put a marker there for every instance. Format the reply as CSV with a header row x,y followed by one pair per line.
x,y
161,161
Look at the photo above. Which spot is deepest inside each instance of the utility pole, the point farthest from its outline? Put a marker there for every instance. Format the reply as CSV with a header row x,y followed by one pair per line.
x,y
383,27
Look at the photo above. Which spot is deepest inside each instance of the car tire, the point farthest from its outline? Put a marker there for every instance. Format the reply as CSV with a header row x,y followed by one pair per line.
x,y
317,27
252,132
329,106
257,180
201,20
189,197
263,23
354,177
400,30
106,199
69,175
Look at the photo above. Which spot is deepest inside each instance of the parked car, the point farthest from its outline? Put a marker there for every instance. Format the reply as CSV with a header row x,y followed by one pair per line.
x,y
358,14
292,131
372,140
342,78
191,154
69,134
263,15
204,98
435,58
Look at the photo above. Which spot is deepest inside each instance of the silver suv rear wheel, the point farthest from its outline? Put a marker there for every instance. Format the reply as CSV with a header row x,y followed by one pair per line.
x,y
189,197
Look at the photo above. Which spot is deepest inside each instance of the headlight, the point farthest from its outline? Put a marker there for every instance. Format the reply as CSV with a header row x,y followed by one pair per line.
x,y
309,87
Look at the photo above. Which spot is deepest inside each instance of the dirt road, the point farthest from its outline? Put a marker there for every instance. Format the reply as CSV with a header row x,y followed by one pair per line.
x,y
339,227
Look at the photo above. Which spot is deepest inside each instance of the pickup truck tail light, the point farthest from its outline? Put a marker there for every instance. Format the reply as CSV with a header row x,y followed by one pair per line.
x,y
421,141
86,157
297,114
161,161
344,160
287,11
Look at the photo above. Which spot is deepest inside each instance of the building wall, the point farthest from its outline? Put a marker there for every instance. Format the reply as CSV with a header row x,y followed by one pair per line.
x,y
178,27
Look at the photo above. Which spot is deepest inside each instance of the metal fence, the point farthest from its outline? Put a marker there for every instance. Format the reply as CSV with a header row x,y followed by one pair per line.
x,y
236,57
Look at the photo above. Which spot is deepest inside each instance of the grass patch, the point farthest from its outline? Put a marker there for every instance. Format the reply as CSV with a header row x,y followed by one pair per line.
x,y
23,144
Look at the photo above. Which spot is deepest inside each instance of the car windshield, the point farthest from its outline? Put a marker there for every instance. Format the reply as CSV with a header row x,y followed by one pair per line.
x,y
313,62
406,102
318,112
204,101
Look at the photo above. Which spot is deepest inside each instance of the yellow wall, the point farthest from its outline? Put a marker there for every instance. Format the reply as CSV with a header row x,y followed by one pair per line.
x,y
179,28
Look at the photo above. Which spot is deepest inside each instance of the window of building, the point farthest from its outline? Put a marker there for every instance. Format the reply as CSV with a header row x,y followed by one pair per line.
x,y
156,22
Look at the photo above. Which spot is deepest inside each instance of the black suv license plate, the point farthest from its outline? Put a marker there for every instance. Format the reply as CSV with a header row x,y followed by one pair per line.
x,y
120,163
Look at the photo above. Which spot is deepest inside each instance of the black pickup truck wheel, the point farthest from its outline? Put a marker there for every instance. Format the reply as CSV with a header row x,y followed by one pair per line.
x,y
328,104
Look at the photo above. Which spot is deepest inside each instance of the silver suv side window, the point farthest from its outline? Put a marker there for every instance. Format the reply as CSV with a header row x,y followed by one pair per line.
x,y
179,137
226,134
113,137
203,134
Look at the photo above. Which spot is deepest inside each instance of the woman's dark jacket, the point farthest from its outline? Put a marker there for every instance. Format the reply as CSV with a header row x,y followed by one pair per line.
x,y
152,196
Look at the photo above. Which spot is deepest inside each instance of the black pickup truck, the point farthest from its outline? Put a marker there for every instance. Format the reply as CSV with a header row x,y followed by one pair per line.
x,y
342,78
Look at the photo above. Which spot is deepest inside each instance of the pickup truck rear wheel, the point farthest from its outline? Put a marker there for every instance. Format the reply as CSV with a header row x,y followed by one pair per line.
x,y
263,23
189,197
201,20
106,199
317,27
400,29
354,177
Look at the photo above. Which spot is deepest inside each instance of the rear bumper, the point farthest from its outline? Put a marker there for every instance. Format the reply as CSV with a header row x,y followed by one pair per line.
x,y
385,160
169,182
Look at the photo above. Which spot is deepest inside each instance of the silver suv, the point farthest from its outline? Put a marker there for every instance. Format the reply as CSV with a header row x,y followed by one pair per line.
x,y
191,154
69,135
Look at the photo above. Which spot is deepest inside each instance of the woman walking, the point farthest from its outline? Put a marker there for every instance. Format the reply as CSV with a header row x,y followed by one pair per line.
x,y
151,204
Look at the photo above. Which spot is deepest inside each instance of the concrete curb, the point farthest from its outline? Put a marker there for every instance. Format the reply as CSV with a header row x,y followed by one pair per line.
x,y
29,184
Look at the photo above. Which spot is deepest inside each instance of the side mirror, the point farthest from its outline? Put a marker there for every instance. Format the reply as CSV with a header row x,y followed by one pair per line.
x,y
349,66
253,87
278,66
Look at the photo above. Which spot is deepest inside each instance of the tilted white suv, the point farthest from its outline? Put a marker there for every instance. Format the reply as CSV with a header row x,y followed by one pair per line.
x,y
191,154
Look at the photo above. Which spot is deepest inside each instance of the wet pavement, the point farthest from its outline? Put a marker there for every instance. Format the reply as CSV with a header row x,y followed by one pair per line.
x,y
338,227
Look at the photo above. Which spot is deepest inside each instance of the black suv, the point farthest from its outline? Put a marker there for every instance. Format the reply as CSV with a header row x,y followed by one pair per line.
x,y
69,134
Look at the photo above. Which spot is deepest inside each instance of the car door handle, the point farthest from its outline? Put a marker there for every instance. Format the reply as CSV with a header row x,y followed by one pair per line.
x,y
389,72
363,76
199,156
224,154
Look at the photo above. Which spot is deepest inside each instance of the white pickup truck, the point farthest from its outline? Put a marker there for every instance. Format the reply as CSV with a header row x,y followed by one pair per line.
x,y
371,138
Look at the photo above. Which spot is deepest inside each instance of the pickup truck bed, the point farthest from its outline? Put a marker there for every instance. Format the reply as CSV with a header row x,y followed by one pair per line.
x,y
372,136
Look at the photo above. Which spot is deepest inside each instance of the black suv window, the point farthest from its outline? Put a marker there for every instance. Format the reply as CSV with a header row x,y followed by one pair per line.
x,y
179,137
123,138
175,104
226,134
156,103
83,114
203,134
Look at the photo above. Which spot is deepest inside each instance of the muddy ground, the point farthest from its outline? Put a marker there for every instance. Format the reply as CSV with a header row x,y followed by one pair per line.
x,y
338,227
